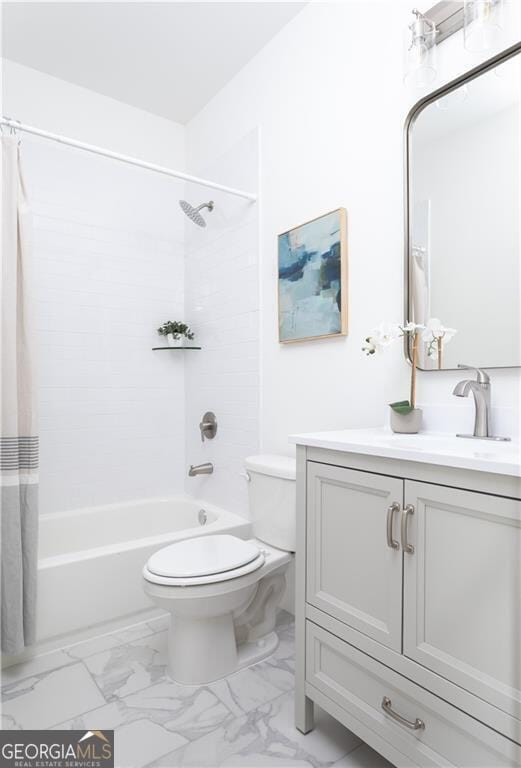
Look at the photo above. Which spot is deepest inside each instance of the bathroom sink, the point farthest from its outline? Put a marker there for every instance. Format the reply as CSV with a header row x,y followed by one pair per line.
x,y
427,447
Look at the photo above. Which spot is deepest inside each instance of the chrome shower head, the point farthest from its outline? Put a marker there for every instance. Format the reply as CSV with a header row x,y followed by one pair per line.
x,y
193,213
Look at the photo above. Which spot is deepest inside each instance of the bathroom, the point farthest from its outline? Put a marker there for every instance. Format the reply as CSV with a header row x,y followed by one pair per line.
x,y
271,116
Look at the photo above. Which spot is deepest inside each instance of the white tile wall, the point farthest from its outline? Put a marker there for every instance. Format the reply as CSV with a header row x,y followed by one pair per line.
x,y
109,268
222,302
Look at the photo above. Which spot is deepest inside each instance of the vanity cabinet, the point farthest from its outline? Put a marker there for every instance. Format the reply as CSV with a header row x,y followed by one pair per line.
x,y
409,607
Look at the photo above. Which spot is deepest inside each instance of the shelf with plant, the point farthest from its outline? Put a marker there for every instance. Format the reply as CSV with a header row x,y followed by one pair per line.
x,y
176,333
405,416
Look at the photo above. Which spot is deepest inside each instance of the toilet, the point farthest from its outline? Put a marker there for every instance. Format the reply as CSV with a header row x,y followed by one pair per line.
x,y
223,592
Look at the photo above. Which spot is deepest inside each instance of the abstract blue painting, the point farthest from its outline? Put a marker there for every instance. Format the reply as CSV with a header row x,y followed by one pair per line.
x,y
312,279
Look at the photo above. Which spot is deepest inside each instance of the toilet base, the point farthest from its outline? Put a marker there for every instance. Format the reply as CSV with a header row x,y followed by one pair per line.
x,y
237,638
252,653
189,662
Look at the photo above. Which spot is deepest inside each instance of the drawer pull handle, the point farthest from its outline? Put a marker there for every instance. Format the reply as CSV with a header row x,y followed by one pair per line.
x,y
418,724
409,510
392,543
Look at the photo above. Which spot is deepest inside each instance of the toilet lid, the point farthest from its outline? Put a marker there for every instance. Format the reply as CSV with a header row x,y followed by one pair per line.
x,y
202,556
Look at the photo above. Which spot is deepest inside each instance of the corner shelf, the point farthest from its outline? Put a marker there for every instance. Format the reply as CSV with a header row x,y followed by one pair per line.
x,y
157,349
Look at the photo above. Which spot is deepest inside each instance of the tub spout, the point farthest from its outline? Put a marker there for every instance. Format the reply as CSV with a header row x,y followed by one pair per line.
x,y
200,469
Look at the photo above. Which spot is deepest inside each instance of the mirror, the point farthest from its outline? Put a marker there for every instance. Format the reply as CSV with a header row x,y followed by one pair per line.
x,y
463,168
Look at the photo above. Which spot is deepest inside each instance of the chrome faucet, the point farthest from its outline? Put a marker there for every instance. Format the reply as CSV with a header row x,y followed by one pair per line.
x,y
480,388
200,469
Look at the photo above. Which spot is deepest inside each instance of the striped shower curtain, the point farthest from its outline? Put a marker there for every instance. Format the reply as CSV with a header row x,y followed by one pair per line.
x,y
18,429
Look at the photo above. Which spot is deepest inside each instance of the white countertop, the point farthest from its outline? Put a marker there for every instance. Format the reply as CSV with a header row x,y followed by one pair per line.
x,y
503,458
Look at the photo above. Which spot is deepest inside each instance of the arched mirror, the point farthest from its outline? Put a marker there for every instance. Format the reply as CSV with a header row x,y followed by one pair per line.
x,y
463,208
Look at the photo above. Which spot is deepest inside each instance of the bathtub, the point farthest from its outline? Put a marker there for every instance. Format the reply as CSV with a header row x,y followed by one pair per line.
x,y
91,560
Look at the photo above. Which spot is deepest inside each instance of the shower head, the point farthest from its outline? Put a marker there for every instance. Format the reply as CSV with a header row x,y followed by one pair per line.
x,y
193,213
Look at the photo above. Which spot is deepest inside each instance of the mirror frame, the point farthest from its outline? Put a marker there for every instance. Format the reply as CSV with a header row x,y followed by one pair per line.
x,y
411,118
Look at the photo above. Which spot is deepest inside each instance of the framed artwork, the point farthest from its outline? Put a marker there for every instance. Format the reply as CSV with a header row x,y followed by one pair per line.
x,y
312,279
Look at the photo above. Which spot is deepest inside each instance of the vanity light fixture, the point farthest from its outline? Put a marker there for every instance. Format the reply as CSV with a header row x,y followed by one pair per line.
x,y
427,31
421,53
483,22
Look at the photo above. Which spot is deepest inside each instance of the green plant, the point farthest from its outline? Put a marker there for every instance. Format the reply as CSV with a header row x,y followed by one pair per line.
x,y
175,328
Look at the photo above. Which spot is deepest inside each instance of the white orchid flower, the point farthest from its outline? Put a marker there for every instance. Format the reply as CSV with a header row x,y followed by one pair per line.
x,y
384,335
413,328
436,330
436,334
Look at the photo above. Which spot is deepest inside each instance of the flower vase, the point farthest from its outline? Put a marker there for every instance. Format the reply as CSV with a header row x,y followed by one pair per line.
x,y
406,423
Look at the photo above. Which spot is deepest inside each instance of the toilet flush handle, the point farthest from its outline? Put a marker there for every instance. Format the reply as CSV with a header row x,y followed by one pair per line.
x,y
246,476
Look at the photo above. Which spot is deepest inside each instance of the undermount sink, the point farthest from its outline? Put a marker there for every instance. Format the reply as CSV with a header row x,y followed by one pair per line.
x,y
427,447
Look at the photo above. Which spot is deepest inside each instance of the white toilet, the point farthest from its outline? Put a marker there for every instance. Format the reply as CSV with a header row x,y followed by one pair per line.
x,y
223,592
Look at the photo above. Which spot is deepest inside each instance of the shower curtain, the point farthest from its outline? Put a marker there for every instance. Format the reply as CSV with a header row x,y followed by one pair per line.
x,y
18,435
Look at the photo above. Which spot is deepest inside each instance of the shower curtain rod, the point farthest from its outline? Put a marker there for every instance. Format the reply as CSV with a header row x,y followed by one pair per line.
x,y
18,126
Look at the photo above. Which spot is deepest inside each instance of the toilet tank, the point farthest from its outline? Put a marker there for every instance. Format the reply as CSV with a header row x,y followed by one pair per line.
x,y
272,499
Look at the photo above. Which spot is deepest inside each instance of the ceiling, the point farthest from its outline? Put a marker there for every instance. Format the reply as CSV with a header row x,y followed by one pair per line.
x,y
168,58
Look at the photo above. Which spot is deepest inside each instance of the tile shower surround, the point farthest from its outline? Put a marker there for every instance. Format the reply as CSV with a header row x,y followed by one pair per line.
x,y
108,264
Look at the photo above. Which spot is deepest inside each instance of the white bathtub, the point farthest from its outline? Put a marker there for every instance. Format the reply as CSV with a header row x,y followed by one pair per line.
x,y
90,560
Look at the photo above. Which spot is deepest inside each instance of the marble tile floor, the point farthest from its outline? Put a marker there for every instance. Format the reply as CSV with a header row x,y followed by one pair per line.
x,y
119,682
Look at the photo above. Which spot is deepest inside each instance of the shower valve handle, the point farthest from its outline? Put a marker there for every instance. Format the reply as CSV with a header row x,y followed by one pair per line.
x,y
208,426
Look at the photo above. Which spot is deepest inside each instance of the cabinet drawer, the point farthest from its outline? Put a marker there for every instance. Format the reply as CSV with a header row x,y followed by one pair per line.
x,y
359,684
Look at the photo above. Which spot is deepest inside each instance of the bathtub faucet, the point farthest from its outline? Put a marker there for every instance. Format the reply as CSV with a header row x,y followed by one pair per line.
x,y
200,469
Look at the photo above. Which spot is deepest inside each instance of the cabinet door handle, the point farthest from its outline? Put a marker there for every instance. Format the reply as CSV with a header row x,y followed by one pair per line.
x,y
392,543
417,725
409,510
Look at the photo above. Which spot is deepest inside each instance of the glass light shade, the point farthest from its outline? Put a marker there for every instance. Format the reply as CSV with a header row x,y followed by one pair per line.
x,y
420,65
420,55
483,24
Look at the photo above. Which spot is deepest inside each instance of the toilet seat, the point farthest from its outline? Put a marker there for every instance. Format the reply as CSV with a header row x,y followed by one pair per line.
x,y
203,560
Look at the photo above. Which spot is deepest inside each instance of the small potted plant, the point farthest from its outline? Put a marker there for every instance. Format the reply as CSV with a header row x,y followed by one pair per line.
x,y
175,333
405,417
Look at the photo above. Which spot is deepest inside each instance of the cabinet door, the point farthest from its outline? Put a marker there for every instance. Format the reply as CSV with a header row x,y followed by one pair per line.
x,y
462,590
352,572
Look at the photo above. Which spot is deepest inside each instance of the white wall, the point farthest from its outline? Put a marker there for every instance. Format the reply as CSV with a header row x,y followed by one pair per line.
x,y
328,98
109,268
55,105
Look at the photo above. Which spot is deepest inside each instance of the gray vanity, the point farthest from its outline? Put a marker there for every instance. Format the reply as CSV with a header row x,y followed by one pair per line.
x,y
409,594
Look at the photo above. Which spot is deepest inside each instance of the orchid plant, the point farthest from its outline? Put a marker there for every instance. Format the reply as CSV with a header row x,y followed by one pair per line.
x,y
433,334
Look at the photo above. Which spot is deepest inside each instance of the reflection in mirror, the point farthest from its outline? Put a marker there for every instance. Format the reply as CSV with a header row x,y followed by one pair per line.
x,y
464,259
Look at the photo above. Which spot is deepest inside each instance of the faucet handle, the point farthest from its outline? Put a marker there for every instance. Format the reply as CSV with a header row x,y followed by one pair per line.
x,y
482,376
